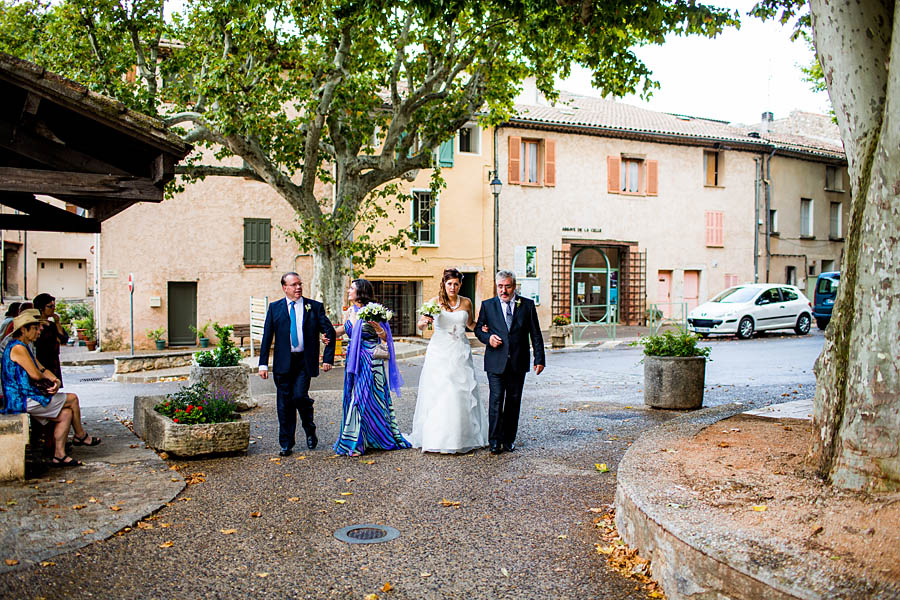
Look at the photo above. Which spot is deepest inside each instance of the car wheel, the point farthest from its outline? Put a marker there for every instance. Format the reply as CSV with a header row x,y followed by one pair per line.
x,y
822,323
803,323
745,328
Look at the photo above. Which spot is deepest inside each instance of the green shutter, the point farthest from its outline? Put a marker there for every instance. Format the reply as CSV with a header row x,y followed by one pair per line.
x,y
257,242
445,153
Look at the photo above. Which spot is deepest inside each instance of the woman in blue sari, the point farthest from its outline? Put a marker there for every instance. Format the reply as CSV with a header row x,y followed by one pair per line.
x,y
368,419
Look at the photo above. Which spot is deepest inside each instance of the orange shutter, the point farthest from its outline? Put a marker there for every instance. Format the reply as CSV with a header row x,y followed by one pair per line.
x,y
710,168
612,174
652,177
515,152
549,162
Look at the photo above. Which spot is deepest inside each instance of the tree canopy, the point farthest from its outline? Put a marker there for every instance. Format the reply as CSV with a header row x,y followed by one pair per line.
x,y
357,93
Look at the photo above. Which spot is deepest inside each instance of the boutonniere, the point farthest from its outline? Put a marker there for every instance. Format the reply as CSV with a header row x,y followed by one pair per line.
x,y
518,302
307,307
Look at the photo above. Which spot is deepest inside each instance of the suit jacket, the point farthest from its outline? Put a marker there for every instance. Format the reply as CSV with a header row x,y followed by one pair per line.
x,y
514,349
278,326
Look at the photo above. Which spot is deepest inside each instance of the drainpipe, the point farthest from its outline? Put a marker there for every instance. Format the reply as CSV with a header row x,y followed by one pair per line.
x,y
25,268
496,209
768,208
97,312
756,221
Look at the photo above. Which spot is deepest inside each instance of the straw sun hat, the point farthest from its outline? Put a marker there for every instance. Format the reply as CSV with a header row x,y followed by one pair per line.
x,y
27,317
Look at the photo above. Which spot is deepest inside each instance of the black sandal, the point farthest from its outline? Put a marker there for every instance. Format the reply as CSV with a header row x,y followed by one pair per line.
x,y
80,441
65,461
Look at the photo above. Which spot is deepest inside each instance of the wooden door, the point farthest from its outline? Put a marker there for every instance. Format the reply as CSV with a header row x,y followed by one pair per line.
x,y
664,292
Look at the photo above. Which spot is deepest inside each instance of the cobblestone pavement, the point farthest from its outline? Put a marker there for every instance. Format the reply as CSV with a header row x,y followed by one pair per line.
x,y
262,527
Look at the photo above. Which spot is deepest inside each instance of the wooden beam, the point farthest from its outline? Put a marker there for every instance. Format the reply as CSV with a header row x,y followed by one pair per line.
x,y
43,151
69,183
30,223
162,169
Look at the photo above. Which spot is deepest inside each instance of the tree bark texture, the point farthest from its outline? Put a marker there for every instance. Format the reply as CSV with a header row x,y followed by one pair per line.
x,y
857,405
330,270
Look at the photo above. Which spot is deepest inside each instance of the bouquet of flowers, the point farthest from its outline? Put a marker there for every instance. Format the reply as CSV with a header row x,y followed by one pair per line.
x,y
375,312
430,309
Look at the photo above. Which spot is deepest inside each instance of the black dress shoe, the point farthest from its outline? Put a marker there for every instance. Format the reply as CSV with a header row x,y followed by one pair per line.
x,y
511,447
495,449
285,452
312,441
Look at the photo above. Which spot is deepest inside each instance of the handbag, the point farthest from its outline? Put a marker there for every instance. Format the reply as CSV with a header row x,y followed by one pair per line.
x,y
44,385
381,351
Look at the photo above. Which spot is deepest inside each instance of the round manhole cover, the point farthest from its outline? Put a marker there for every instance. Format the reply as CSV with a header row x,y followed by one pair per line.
x,y
366,534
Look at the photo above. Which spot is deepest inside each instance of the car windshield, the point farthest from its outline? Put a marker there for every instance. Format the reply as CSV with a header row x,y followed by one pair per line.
x,y
736,295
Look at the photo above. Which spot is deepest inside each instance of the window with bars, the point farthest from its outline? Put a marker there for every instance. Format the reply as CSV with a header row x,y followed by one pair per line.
x,y
424,219
257,242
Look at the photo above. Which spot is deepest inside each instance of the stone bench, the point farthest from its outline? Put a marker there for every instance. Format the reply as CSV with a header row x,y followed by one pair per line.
x,y
14,431
152,362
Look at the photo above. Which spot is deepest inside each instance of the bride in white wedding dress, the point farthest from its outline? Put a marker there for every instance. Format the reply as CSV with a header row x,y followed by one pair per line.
x,y
450,417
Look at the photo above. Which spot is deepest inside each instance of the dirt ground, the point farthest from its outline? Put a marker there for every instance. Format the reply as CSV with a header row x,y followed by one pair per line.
x,y
752,472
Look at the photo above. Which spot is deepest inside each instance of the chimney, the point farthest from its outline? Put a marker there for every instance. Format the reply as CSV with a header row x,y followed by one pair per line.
x,y
765,124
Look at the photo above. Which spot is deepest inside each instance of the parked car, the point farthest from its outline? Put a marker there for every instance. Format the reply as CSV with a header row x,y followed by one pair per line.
x,y
826,290
744,309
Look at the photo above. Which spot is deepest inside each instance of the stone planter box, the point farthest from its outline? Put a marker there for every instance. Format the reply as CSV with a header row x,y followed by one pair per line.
x,y
674,382
234,380
152,362
560,335
162,434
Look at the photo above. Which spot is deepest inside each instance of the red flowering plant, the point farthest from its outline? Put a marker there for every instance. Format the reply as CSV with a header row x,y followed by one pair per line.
x,y
196,404
562,319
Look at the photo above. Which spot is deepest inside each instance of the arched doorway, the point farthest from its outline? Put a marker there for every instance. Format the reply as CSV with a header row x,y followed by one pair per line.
x,y
595,286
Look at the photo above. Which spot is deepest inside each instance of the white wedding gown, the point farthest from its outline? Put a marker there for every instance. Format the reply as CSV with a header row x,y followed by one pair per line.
x,y
450,417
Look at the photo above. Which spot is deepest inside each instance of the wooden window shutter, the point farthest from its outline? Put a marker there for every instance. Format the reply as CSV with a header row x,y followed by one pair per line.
x,y
612,174
710,167
549,162
515,158
652,177
445,153
715,235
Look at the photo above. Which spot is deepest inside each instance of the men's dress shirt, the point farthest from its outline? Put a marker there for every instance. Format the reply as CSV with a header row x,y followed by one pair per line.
x,y
298,312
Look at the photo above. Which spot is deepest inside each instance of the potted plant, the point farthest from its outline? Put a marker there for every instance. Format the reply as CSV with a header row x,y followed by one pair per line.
x,y
89,329
560,330
156,335
200,332
221,368
674,370
193,421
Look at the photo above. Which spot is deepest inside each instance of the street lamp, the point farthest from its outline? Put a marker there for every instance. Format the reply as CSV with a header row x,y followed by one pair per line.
x,y
496,185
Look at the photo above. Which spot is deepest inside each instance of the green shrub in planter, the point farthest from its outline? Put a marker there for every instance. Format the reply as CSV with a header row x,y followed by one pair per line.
x,y
225,354
682,344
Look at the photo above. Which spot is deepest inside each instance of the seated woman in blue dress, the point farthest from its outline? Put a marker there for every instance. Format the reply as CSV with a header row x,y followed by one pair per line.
x,y
20,374
368,418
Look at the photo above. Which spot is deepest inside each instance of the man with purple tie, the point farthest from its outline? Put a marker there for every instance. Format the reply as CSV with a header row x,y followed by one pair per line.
x,y
296,324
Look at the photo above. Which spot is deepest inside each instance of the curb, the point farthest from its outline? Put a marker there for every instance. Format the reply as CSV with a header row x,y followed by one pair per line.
x,y
694,559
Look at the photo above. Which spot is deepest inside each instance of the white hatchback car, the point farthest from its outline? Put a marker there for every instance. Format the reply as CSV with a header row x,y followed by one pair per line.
x,y
743,309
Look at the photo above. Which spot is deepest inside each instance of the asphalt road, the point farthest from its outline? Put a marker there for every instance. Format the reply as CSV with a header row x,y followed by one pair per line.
x,y
261,527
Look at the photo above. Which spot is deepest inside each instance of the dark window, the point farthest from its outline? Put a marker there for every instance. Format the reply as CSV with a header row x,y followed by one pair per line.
x,y
257,241
424,218
789,294
769,296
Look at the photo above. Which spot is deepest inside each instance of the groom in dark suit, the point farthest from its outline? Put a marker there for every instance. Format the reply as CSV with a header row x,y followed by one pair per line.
x,y
295,323
505,324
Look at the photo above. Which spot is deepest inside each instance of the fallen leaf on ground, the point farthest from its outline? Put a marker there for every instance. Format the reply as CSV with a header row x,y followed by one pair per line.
x,y
368,462
87,532
11,562
340,501
228,531
370,597
596,510
760,508
349,479
78,506
601,467
262,574
788,428
387,587
165,525
300,458
564,410
92,500
256,514
425,574
132,445
504,571
167,544
47,563
294,499
724,445
143,525
346,493
115,507
274,460
445,502
562,537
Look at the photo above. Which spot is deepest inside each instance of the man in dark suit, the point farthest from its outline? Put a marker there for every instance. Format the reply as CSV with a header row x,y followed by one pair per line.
x,y
505,324
296,324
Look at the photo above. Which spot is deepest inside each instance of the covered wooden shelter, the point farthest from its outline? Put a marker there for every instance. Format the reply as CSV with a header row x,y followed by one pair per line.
x,y
59,139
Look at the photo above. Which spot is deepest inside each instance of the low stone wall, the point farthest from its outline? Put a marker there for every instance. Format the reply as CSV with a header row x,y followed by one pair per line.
x,y
162,434
13,438
152,362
